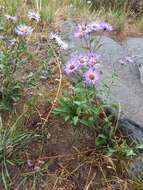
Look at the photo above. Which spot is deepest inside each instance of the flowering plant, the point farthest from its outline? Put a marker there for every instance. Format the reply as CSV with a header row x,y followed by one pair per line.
x,y
83,106
11,18
12,58
10,63
23,30
34,16
86,64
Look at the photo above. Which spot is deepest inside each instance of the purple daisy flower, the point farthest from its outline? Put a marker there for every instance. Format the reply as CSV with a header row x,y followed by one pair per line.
x,y
129,59
30,163
11,18
71,67
105,26
91,77
94,26
82,59
12,41
93,59
2,37
83,30
34,16
23,30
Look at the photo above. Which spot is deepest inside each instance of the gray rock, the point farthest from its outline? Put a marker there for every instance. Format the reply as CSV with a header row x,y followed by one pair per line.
x,y
131,129
127,90
67,34
135,47
141,73
135,169
110,51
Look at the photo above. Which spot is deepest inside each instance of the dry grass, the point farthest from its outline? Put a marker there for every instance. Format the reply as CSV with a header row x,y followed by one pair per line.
x,y
66,160
126,6
121,14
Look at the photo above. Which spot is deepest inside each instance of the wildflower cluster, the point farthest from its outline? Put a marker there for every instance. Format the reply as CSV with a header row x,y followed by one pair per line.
x,y
84,30
83,106
23,29
84,65
83,69
12,57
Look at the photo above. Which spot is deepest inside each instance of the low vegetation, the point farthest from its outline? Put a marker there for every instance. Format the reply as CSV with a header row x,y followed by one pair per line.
x,y
55,131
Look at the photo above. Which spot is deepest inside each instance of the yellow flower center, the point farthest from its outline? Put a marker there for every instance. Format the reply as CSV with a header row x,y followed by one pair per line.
x,y
23,29
93,62
92,76
82,61
72,67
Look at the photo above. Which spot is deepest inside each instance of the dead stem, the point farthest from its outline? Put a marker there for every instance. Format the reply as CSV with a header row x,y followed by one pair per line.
x,y
68,155
90,182
58,63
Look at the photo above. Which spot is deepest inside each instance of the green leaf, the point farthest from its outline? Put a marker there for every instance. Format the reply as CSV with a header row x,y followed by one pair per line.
x,y
92,40
130,152
67,118
78,103
78,111
75,120
59,110
85,122
4,180
86,48
101,140
111,151
139,146
1,66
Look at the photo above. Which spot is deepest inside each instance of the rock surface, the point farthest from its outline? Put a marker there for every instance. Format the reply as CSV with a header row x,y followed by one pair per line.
x,y
135,169
128,88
